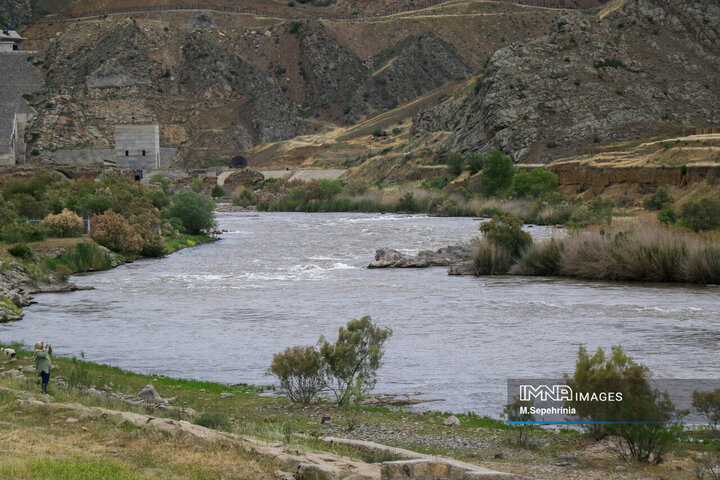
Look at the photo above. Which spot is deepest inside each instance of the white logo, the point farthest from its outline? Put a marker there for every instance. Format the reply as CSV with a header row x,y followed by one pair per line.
x,y
556,393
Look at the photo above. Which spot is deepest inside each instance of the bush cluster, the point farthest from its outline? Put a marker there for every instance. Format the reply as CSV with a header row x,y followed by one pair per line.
x,y
64,224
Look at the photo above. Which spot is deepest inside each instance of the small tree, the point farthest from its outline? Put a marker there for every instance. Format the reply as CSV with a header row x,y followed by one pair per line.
x,y
455,163
352,361
650,435
196,211
300,372
497,173
708,404
506,232
514,412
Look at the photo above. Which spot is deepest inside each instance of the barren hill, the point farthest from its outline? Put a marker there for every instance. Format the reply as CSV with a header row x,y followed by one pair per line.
x,y
646,67
221,83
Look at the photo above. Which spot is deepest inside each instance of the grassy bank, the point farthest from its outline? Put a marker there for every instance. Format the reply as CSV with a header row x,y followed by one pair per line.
x,y
38,440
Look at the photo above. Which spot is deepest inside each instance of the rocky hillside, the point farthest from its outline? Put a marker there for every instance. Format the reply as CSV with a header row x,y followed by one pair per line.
x,y
219,91
646,68
14,10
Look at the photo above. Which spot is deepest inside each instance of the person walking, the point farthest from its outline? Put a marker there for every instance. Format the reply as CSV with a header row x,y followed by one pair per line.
x,y
42,363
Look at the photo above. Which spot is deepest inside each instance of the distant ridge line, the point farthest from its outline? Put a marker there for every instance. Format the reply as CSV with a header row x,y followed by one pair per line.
x,y
418,5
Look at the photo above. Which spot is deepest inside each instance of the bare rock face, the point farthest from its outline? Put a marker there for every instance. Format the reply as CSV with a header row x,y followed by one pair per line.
x,y
640,70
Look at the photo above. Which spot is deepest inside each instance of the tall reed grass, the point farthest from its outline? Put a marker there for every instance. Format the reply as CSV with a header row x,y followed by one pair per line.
x,y
644,253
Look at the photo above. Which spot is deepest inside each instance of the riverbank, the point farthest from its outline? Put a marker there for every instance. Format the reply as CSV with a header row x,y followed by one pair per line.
x,y
49,432
35,269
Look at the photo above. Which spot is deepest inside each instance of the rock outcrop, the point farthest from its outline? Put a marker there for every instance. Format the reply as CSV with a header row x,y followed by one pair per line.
x,y
17,286
444,257
645,68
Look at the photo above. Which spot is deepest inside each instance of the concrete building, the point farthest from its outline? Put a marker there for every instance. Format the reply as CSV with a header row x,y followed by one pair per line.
x,y
138,146
10,41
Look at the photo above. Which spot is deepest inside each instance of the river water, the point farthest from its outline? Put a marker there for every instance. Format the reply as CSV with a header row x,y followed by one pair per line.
x,y
219,311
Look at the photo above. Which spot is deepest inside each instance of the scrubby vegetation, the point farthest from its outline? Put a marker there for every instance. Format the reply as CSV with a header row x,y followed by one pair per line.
x,y
494,189
647,252
126,217
620,374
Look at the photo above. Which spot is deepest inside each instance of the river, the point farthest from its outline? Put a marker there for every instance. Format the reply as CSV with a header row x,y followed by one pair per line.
x,y
219,311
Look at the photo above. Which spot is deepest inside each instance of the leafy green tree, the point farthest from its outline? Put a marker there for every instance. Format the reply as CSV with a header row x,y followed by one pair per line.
x,y
195,211
598,373
352,361
497,173
534,183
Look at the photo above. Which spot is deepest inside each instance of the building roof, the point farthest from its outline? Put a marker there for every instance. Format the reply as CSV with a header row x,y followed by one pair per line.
x,y
11,36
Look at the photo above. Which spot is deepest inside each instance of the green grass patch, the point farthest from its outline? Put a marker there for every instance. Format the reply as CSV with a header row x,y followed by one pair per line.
x,y
65,469
175,244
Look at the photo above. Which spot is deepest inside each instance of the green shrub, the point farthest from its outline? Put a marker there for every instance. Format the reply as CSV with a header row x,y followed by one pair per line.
x,y
64,224
21,251
196,211
437,183
475,163
14,229
300,371
658,200
407,203
497,173
534,183
702,214
323,189
214,420
515,412
455,163
507,232
217,192
379,132
295,26
640,403
667,216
